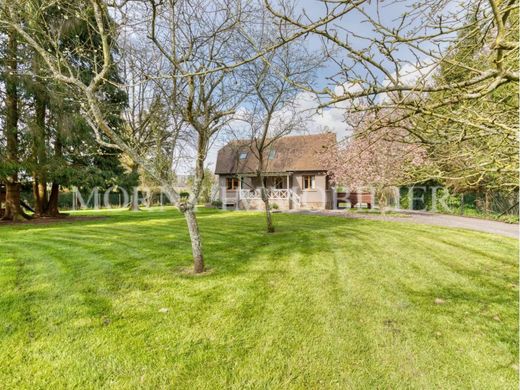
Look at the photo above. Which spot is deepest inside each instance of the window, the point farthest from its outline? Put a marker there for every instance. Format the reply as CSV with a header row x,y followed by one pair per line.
x,y
232,183
309,182
278,183
243,155
272,154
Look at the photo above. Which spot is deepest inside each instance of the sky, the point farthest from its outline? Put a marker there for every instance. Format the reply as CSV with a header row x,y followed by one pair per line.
x,y
359,34
332,118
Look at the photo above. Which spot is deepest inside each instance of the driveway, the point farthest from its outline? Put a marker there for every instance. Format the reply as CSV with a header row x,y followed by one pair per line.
x,y
426,218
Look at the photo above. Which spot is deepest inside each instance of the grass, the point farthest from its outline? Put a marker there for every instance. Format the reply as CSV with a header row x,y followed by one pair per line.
x,y
388,213
322,303
494,216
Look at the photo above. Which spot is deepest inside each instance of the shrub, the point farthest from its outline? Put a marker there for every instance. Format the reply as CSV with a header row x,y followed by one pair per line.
x,y
274,206
184,195
217,203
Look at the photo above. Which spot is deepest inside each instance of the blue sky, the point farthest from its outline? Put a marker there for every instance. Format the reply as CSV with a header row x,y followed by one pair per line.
x,y
332,119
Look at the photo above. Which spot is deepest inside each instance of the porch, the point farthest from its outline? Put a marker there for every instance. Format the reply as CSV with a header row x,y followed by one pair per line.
x,y
252,198
288,190
248,188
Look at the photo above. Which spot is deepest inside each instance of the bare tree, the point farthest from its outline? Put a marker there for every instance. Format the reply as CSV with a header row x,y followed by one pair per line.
x,y
195,37
147,120
399,65
197,40
272,110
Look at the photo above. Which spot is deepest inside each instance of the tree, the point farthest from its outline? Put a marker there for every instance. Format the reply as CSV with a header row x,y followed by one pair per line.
x,y
272,110
198,41
434,70
205,100
467,159
13,209
146,117
376,160
52,144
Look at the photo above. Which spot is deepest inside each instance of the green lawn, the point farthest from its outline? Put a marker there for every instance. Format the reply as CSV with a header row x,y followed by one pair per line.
x,y
322,303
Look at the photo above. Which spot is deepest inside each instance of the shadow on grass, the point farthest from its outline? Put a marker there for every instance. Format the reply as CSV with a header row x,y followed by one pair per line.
x,y
106,259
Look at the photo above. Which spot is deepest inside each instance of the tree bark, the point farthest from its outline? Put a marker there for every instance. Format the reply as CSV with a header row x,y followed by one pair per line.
x,y
53,204
486,202
53,209
13,210
38,208
134,198
188,207
134,201
265,199
41,206
196,244
39,154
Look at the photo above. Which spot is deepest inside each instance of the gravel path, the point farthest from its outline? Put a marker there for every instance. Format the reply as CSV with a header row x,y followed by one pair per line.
x,y
425,218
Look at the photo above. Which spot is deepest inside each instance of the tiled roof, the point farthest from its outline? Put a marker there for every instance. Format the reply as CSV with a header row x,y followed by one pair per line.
x,y
291,153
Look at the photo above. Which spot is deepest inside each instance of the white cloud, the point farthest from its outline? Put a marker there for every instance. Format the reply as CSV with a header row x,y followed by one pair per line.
x,y
326,119
330,118
416,73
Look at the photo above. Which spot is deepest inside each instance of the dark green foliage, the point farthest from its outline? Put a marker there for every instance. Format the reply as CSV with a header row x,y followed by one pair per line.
x,y
217,203
65,152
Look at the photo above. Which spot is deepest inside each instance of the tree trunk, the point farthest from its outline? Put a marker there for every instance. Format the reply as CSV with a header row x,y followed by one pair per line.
x,y
38,207
39,153
134,198
53,209
134,201
40,156
382,201
265,199
13,210
188,207
486,203
41,206
196,244
53,204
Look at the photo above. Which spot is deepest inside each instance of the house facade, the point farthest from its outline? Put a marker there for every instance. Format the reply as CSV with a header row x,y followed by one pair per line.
x,y
293,176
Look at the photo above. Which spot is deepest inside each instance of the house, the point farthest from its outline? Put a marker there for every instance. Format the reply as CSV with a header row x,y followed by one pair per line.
x,y
294,176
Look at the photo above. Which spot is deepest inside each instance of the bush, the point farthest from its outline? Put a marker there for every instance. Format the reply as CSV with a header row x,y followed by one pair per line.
x,y
217,203
184,195
274,206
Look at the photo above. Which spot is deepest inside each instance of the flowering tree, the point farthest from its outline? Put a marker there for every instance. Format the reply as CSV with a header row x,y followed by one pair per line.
x,y
448,72
377,160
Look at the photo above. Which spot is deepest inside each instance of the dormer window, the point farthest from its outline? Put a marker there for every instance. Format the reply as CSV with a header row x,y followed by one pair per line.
x,y
272,154
243,155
